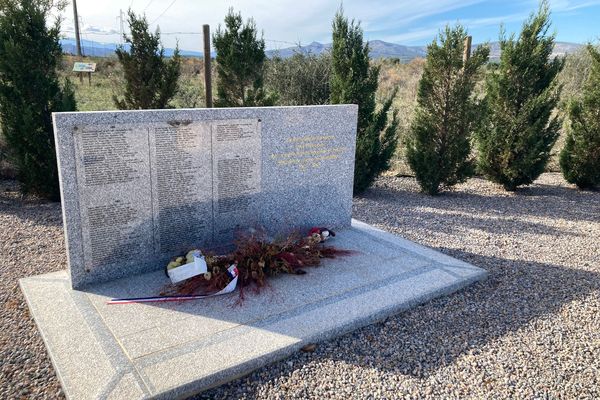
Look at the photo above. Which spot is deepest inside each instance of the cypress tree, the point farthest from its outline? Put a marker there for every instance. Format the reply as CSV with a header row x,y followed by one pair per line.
x,y
150,78
240,64
30,91
580,158
515,142
438,144
354,81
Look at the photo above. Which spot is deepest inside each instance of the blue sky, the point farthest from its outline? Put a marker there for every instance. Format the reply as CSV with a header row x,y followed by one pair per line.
x,y
285,22
574,21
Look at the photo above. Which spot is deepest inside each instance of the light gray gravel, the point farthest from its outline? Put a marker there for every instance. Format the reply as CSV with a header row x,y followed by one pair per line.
x,y
31,243
532,330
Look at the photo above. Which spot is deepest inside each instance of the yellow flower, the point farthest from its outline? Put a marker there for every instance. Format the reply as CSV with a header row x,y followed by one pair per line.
x,y
173,264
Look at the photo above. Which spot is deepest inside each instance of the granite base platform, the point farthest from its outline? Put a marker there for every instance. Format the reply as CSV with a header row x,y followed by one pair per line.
x,y
173,350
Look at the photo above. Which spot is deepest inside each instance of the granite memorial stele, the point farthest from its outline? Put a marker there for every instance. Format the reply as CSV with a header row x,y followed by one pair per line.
x,y
138,187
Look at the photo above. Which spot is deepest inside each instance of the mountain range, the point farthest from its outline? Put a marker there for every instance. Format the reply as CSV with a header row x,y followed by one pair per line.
x,y
97,49
379,49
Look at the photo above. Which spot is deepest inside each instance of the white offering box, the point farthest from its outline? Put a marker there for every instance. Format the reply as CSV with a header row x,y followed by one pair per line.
x,y
189,270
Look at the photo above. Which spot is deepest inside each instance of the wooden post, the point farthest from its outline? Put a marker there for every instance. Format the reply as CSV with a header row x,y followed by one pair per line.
x,y
90,78
77,37
467,50
207,69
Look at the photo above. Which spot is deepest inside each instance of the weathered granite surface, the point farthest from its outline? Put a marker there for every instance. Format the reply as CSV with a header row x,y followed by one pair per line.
x,y
166,351
141,186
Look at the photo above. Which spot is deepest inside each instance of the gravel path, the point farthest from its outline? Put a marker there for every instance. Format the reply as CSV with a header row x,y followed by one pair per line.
x,y
31,243
532,330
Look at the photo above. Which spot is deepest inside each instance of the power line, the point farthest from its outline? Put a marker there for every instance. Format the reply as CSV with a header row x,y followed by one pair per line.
x,y
93,33
163,13
283,41
181,33
148,5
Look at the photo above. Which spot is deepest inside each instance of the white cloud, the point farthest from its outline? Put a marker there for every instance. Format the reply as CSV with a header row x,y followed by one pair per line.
x,y
433,29
292,21
288,21
570,5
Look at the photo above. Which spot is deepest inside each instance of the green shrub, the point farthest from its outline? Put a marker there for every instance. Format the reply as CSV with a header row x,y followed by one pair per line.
x,y
30,91
580,158
240,64
354,81
189,94
150,78
302,79
438,144
516,140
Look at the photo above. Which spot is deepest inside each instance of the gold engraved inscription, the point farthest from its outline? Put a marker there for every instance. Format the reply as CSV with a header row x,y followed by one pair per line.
x,y
309,152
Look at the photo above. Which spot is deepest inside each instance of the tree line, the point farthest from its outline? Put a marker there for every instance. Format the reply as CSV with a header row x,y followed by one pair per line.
x,y
514,125
505,134
241,71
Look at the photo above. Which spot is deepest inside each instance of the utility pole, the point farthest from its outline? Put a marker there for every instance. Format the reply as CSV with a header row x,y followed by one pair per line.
x,y
120,18
467,50
207,69
77,37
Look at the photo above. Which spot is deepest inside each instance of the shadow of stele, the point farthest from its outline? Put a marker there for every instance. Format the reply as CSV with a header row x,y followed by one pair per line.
x,y
419,342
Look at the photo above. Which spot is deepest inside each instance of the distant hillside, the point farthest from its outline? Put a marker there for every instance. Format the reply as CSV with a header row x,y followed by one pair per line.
x,y
97,49
379,49
560,49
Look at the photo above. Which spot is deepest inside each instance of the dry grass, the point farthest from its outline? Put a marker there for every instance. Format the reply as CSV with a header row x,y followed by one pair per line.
x,y
108,81
405,79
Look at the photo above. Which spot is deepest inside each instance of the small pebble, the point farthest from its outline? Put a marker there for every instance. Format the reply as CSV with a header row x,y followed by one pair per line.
x,y
532,330
309,348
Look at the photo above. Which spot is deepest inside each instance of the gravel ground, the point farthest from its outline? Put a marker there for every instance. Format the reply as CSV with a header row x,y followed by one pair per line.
x,y
532,330
31,243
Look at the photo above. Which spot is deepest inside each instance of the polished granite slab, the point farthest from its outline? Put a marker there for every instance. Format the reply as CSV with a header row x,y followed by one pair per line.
x,y
174,350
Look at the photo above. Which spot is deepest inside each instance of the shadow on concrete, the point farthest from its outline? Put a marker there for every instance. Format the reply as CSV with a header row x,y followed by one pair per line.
x,y
419,342
431,336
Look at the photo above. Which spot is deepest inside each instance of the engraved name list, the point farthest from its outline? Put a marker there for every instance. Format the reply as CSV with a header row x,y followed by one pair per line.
x,y
148,191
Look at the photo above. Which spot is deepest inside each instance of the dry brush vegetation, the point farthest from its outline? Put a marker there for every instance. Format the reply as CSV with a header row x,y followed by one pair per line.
x,y
404,77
